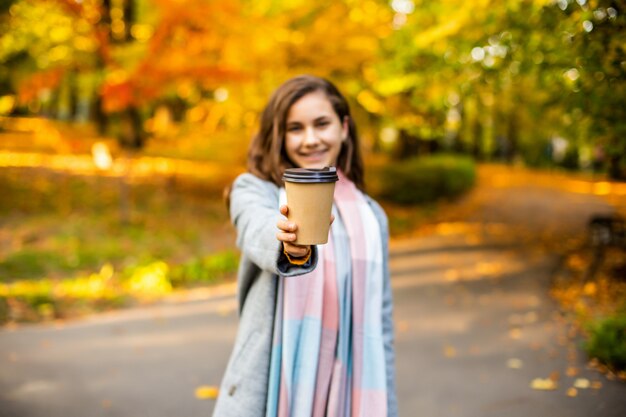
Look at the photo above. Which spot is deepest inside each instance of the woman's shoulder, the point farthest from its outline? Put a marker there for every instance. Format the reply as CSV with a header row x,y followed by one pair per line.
x,y
250,191
248,180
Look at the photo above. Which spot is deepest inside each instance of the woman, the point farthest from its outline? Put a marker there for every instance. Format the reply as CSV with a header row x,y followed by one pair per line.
x,y
316,334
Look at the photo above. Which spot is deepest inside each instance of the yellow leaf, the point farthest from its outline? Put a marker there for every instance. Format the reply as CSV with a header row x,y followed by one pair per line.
x,y
225,309
596,385
546,384
531,317
590,288
207,392
571,371
403,326
572,392
449,351
515,333
514,363
582,383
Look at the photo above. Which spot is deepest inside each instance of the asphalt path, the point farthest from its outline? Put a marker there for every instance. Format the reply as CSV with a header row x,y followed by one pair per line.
x,y
475,326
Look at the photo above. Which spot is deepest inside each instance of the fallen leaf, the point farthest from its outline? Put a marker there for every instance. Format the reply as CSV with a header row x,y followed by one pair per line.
x,y
582,383
571,371
449,351
514,363
515,334
543,384
207,392
403,326
555,376
596,384
531,317
590,288
225,309
593,363
572,392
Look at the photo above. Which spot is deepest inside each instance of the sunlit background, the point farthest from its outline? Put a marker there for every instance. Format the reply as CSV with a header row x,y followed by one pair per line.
x,y
122,122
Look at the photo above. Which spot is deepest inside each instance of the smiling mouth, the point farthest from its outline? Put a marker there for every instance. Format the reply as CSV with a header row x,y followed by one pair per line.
x,y
316,154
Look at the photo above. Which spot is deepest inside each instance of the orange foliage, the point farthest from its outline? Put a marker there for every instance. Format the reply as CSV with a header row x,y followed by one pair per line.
x,y
31,87
187,44
118,96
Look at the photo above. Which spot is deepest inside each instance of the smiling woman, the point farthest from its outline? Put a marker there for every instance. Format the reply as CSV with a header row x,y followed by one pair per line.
x,y
305,106
316,331
314,132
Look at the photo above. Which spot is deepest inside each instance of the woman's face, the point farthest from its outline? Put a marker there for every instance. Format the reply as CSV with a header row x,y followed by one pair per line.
x,y
314,133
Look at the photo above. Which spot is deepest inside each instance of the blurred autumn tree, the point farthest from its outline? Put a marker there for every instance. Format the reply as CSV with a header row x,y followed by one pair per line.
x,y
491,78
499,77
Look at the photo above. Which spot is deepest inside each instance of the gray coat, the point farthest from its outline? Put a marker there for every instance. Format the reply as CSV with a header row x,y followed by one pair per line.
x,y
254,212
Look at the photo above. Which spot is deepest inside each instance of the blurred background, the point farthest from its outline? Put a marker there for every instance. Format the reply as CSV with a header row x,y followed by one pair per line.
x,y
484,122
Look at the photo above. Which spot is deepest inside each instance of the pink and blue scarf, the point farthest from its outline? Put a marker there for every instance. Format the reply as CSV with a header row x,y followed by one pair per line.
x,y
327,356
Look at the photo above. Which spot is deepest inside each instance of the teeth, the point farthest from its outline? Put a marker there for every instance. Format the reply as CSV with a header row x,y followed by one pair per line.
x,y
313,154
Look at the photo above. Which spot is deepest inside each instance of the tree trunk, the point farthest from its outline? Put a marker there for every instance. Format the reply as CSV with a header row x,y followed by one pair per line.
x,y
72,96
477,143
616,171
511,138
132,135
99,116
407,145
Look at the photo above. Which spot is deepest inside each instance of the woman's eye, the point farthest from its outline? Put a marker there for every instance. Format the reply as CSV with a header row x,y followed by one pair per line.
x,y
323,123
293,128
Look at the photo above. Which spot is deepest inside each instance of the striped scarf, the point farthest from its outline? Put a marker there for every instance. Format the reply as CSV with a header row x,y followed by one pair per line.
x,y
327,356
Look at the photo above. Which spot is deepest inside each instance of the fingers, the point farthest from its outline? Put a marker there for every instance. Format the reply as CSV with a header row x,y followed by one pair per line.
x,y
286,237
287,226
296,251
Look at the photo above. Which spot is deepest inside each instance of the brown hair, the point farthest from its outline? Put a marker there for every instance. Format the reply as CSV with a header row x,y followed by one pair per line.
x,y
267,157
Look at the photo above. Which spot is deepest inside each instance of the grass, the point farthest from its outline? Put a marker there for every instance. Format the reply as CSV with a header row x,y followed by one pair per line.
x,y
72,244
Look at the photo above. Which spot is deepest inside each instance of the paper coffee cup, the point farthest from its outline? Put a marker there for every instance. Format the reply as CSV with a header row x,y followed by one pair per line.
x,y
310,202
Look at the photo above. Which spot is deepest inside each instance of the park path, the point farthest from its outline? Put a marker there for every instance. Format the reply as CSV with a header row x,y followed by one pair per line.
x,y
474,327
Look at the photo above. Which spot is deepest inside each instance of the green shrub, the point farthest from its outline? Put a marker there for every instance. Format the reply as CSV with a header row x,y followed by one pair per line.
x,y
425,179
204,270
607,341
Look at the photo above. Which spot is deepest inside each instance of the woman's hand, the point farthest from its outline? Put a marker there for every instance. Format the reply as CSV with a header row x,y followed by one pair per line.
x,y
287,235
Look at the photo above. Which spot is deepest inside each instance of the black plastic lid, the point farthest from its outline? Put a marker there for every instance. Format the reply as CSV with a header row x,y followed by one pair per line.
x,y
310,175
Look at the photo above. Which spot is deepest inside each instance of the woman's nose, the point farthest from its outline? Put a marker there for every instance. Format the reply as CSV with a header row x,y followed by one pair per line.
x,y
310,137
